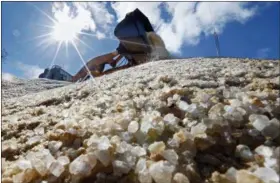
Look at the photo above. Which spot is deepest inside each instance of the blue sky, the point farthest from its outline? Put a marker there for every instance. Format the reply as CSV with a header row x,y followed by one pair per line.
x,y
245,30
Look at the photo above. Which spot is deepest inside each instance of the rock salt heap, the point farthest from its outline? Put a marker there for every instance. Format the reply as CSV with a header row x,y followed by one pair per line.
x,y
20,87
181,121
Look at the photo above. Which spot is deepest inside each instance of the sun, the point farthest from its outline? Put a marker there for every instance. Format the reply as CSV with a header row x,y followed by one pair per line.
x,y
65,31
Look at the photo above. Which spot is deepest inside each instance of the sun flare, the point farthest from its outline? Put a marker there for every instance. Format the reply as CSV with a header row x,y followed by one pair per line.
x,y
64,31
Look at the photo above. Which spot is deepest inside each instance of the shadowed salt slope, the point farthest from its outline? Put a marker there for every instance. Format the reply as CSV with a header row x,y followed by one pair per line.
x,y
169,121
17,87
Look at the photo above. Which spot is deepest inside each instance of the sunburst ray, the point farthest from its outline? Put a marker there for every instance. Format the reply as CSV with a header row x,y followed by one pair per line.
x,y
75,46
55,55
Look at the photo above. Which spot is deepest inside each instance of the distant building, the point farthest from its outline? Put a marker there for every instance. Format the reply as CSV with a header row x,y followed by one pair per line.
x,y
56,73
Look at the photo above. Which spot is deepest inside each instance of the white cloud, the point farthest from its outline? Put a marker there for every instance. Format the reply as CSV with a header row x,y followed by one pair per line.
x,y
81,18
263,53
29,71
189,20
100,14
100,35
8,77
150,9
85,16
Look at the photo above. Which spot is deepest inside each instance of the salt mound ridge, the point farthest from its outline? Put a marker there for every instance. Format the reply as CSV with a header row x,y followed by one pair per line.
x,y
17,87
175,121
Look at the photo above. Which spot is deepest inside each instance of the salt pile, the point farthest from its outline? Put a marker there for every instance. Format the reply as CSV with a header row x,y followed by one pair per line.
x,y
180,121
18,87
